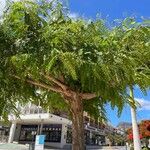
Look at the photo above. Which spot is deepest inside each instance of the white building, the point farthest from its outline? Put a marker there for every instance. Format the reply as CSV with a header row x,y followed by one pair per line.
x,y
57,128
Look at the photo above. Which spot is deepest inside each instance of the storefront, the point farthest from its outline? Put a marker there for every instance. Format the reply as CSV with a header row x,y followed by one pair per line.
x,y
52,132
57,130
4,133
91,137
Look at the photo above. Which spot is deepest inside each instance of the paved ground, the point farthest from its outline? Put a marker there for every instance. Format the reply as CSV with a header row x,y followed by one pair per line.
x,y
13,147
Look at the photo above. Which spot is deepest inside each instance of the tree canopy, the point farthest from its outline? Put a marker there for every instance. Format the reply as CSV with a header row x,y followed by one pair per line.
x,y
39,39
144,128
72,62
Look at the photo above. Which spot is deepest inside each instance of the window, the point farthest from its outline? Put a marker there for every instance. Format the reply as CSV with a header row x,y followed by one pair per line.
x,y
52,132
26,132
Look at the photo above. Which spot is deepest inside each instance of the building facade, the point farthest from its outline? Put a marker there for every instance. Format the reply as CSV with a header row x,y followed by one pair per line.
x,y
4,133
56,126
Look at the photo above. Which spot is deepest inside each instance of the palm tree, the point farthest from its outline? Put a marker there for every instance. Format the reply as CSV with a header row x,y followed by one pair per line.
x,y
138,48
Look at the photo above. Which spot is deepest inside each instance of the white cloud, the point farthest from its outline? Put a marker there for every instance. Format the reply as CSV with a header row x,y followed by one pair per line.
x,y
74,15
145,104
2,6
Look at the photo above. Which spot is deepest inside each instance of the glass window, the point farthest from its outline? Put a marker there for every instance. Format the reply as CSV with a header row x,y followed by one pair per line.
x,y
26,132
52,132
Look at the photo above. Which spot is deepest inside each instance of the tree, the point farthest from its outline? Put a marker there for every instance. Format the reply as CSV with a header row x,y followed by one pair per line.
x,y
72,62
143,130
136,135
116,138
141,69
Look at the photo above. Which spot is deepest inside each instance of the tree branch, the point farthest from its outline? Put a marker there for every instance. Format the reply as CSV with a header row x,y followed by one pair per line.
x,y
87,96
42,85
59,83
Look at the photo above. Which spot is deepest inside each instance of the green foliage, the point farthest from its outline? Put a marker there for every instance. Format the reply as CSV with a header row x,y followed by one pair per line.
x,y
96,109
92,58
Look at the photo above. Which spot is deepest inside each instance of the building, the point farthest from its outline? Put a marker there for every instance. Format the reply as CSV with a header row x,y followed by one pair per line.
x,y
124,125
56,126
4,132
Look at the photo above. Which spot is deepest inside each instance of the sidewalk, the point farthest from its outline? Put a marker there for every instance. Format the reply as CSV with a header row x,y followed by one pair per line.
x,y
12,146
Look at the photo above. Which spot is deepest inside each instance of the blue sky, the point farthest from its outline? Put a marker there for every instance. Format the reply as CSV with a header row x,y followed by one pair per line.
x,y
111,10
143,112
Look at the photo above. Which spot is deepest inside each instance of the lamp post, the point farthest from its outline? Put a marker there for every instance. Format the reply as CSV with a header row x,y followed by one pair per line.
x,y
31,146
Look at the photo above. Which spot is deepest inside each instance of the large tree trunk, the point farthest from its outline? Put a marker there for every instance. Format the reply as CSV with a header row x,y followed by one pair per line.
x,y
78,141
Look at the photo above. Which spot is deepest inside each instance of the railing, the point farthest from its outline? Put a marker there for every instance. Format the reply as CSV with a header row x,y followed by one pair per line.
x,y
38,110
31,109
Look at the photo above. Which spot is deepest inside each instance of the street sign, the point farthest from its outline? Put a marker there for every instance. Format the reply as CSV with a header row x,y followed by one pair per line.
x,y
39,142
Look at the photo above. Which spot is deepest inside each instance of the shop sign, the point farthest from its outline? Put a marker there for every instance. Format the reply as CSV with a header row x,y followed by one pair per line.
x,y
39,142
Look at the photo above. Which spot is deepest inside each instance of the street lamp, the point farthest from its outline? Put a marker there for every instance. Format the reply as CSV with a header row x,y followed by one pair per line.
x,y
31,146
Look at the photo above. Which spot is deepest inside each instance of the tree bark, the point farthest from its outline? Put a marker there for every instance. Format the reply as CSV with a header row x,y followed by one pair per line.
x,y
135,130
78,140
